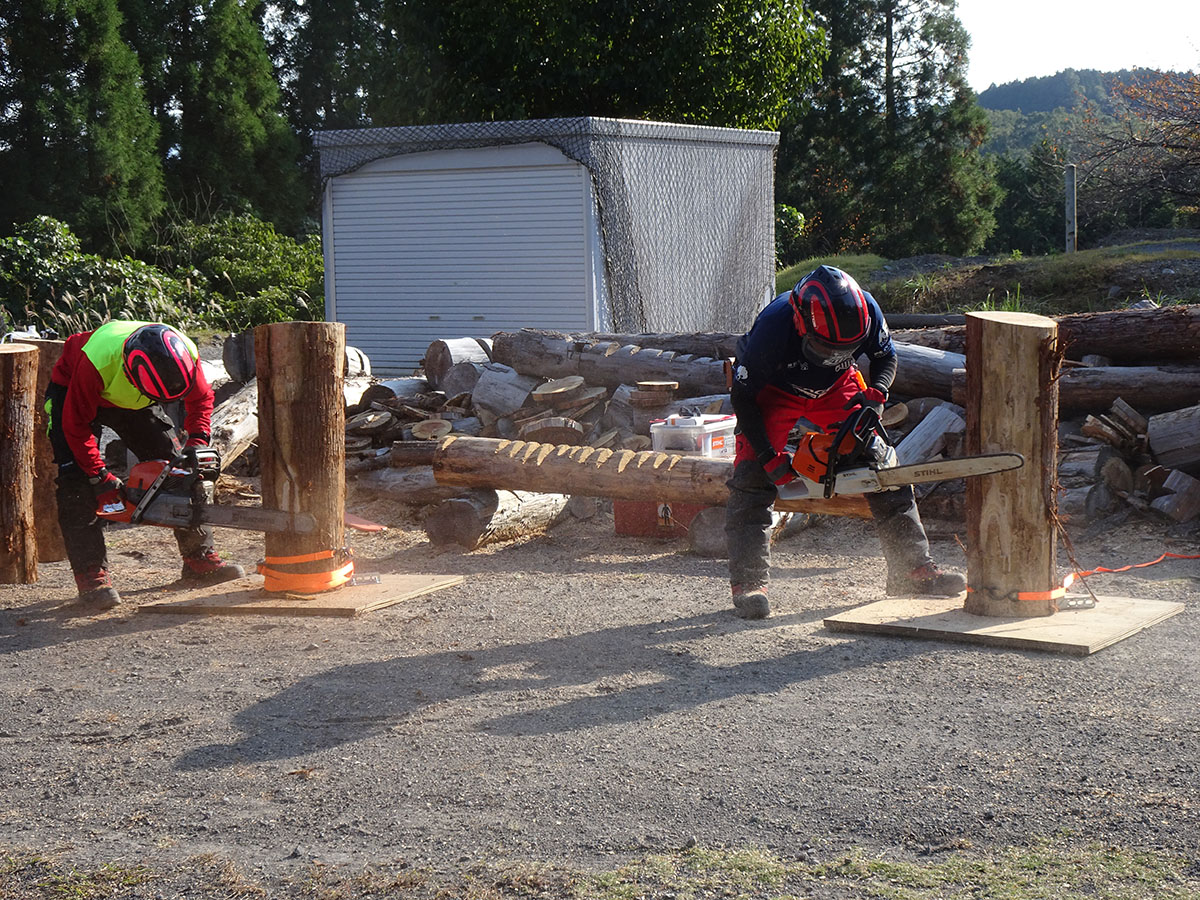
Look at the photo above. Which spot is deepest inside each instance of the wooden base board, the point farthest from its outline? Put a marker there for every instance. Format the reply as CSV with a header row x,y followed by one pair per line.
x,y
246,597
1075,631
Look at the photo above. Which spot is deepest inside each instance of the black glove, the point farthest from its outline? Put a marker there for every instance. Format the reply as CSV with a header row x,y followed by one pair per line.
x,y
203,459
874,398
779,469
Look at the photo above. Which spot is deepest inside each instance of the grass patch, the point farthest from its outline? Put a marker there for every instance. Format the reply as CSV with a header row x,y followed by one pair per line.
x,y
1045,870
859,265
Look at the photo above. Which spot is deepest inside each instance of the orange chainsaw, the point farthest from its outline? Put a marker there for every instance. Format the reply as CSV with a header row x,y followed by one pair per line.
x,y
858,459
179,493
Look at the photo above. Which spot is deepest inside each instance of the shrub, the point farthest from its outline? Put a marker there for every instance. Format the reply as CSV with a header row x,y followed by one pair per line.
x,y
45,281
259,275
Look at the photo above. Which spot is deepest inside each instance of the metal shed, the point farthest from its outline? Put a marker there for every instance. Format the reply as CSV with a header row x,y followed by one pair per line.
x,y
583,224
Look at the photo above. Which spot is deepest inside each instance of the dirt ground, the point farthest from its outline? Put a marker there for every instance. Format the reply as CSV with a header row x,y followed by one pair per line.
x,y
583,697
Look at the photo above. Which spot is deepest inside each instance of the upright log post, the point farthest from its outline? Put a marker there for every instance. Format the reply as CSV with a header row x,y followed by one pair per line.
x,y
18,537
301,446
45,505
1012,406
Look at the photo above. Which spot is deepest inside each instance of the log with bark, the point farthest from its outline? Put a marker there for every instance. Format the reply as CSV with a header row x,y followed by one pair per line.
x,y
620,474
484,516
555,355
442,356
235,423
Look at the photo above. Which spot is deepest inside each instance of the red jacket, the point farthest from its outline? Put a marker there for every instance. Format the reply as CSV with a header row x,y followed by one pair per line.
x,y
85,384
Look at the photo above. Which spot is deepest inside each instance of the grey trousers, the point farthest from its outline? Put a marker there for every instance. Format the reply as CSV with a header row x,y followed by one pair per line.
x,y
748,525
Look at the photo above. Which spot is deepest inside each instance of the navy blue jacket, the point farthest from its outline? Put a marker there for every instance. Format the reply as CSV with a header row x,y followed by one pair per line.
x,y
771,353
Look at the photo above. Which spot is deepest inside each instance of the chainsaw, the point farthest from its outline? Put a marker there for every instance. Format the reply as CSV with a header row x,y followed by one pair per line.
x,y
859,459
179,493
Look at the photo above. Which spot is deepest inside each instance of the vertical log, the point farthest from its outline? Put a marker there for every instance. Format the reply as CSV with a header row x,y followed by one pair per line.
x,y
301,435
45,506
1012,405
18,537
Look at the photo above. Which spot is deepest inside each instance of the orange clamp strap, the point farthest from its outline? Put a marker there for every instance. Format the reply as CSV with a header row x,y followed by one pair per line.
x,y
276,579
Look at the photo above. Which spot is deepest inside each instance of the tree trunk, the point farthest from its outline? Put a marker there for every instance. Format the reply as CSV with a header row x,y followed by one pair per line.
x,y
486,517
1174,438
50,544
301,446
235,423
1010,515
502,389
414,484
553,355
598,472
441,356
18,534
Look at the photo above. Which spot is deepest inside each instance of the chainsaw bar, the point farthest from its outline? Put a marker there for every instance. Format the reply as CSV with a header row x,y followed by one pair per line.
x,y
949,469
179,512
869,480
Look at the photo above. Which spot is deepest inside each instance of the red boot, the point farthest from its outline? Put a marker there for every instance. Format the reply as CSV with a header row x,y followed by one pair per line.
x,y
209,568
96,590
750,602
926,581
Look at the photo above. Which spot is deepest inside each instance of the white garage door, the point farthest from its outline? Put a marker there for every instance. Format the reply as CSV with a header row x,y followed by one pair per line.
x,y
458,243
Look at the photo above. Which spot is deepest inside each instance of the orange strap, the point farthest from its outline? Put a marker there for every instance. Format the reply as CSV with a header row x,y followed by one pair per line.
x,y
307,582
1059,592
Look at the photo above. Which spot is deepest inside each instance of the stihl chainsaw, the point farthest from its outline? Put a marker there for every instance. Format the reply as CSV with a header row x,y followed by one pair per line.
x,y
858,459
179,493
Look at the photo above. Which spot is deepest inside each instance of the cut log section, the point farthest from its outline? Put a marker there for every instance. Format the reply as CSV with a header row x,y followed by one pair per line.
x,y
235,423
442,356
554,430
559,392
431,429
370,422
662,386
1174,438
485,517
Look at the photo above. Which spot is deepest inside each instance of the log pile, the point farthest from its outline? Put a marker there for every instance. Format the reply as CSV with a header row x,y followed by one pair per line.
x,y
1129,438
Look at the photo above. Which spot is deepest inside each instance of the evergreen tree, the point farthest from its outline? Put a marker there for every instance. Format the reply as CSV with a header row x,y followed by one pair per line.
x,y
76,139
884,153
235,149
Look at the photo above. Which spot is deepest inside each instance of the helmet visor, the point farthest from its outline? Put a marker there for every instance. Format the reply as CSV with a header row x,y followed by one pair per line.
x,y
823,353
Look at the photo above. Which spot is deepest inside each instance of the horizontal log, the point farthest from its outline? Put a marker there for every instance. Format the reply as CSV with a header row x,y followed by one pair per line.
x,y
599,472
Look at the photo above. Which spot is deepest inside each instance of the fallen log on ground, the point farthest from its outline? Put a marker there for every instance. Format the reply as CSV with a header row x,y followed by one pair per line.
x,y
551,354
484,516
598,472
234,424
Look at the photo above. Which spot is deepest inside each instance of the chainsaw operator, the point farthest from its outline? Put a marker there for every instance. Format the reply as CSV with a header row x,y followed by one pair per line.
x,y
117,376
798,362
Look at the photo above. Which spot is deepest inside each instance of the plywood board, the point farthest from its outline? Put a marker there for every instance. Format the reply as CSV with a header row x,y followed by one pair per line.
x,y
1075,631
246,597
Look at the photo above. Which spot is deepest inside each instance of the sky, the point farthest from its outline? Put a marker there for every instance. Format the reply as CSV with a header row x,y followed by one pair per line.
x,y
1016,39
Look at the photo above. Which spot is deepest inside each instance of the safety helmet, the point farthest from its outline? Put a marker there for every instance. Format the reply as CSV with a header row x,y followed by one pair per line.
x,y
159,363
830,311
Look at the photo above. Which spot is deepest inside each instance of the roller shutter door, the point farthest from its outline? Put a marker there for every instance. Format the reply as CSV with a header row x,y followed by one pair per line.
x,y
458,244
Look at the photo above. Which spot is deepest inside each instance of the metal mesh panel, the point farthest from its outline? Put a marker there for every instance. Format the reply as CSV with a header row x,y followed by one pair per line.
x,y
686,212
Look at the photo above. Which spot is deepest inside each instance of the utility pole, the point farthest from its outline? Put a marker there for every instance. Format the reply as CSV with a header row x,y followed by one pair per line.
x,y
1072,221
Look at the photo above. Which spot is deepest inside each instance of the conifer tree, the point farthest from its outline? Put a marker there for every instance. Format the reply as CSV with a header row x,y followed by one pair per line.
x,y
76,139
235,149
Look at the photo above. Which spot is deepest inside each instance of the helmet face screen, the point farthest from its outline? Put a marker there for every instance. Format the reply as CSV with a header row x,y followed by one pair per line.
x,y
823,353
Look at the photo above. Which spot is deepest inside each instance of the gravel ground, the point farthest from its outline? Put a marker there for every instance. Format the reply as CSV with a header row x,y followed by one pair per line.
x,y
582,698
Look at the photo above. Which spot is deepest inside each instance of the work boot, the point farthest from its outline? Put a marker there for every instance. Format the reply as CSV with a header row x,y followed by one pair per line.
x,y
209,568
96,591
750,602
926,581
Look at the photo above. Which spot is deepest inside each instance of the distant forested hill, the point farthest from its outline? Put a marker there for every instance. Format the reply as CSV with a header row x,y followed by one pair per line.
x,y
1065,90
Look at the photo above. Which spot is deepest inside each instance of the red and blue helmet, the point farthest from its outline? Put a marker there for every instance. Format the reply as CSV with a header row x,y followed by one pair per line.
x,y
159,363
830,311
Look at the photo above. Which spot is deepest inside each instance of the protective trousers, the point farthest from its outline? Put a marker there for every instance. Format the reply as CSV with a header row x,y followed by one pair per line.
x,y
148,435
751,493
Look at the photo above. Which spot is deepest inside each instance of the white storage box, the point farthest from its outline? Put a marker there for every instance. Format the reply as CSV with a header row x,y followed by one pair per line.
x,y
695,435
